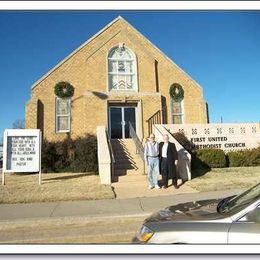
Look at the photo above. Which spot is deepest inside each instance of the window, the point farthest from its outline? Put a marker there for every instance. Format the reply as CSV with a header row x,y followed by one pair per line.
x,y
241,201
62,115
122,69
252,216
177,112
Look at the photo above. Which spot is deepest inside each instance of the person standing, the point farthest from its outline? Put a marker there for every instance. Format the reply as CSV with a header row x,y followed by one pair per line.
x,y
168,161
151,156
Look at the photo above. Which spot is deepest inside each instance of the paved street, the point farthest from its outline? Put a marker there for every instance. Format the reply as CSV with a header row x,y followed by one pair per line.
x,y
71,230
102,221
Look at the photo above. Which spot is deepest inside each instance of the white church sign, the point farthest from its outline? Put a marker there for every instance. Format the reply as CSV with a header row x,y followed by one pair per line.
x,y
228,137
22,151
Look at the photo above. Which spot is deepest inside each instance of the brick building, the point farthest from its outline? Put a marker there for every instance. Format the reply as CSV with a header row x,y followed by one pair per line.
x,y
118,76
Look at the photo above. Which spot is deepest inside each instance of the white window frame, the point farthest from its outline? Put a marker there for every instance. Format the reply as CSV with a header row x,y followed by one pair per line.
x,y
177,114
57,116
133,73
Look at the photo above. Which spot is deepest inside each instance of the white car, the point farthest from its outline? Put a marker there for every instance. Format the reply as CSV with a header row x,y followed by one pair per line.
x,y
233,220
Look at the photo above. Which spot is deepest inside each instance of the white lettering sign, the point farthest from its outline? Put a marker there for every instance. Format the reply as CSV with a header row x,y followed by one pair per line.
x,y
228,137
21,150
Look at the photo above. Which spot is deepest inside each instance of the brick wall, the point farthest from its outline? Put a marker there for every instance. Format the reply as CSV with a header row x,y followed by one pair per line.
x,y
87,70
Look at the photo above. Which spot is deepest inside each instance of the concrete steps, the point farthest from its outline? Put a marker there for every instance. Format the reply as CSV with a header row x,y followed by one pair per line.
x,y
129,180
128,165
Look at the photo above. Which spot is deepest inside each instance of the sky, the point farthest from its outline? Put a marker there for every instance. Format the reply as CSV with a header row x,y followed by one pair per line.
x,y
220,50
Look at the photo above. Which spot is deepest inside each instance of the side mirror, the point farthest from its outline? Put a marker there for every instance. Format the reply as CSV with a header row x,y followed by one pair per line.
x,y
221,204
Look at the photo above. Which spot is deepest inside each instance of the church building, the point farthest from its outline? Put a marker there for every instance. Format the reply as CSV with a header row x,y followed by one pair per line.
x,y
117,79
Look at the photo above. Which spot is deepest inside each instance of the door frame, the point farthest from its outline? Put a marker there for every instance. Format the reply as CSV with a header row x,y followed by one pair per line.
x,y
122,106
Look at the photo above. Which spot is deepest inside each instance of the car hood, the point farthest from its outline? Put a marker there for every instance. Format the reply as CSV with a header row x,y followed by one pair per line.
x,y
190,211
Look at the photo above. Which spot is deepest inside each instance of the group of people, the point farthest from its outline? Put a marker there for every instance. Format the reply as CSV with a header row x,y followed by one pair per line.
x,y
161,158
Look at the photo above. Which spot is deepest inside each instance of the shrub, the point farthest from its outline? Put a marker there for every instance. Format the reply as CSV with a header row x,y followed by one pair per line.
x,y
48,156
214,158
85,155
249,157
63,161
255,157
198,166
236,159
78,155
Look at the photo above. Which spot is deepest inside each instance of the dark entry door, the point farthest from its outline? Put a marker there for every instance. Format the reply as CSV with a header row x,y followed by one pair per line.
x,y
119,121
116,122
129,117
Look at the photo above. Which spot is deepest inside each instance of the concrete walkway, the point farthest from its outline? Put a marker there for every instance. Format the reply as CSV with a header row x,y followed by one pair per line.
x,y
101,208
137,186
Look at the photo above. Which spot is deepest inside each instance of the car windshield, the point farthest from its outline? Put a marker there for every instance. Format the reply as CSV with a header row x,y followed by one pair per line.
x,y
241,201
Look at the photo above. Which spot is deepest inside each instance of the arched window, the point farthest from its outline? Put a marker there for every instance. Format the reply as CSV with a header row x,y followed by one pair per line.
x,y
122,69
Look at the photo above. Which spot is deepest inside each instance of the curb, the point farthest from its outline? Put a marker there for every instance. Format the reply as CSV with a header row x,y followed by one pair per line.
x,y
61,221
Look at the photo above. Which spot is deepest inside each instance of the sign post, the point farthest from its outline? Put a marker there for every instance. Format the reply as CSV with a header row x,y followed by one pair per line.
x,y
3,177
40,161
22,151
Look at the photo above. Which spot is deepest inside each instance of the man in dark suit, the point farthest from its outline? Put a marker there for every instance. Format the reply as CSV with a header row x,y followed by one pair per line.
x,y
168,160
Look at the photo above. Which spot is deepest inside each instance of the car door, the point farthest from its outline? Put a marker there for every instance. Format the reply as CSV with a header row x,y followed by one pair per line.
x,y
246,230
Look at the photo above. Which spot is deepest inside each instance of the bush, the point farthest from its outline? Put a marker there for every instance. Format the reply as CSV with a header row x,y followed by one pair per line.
x,y
213,158
78,155
48,156
236,159
85,155
198,167
63,160
255,157
244,158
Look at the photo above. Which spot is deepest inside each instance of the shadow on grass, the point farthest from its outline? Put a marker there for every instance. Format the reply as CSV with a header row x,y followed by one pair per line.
x,y
68,177
198,167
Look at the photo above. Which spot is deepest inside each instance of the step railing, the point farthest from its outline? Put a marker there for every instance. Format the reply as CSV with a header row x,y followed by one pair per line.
x,y
138,144
159,117
154,119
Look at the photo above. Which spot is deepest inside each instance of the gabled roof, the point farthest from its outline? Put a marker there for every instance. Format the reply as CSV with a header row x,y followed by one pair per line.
x,y
97,34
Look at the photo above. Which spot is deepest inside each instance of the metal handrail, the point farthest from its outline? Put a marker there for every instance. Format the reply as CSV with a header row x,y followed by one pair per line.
x,y
154,119
110,147
138,143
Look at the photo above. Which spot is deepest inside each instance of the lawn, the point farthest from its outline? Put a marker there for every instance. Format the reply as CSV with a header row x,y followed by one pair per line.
x,y
226,178
24,188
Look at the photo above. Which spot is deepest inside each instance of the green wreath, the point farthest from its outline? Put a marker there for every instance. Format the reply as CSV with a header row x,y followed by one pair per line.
x,y
64,89
176,92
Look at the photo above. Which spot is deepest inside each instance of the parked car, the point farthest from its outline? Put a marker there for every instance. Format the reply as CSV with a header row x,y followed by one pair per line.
x,y
232,220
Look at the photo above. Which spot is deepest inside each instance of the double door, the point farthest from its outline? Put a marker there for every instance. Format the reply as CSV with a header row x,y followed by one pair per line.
x,y
119,119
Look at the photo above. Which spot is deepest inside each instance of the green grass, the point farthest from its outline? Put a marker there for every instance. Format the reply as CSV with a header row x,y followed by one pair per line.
x,y
226,178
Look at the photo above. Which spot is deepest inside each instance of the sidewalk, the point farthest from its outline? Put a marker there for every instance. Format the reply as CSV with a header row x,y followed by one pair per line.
x,y
99,209
140,188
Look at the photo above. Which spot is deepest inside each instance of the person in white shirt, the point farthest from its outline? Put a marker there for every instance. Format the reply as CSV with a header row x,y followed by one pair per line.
x,y
151,156
168,161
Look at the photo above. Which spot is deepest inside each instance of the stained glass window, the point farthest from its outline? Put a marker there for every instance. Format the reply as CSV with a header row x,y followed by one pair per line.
x,y
122,69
